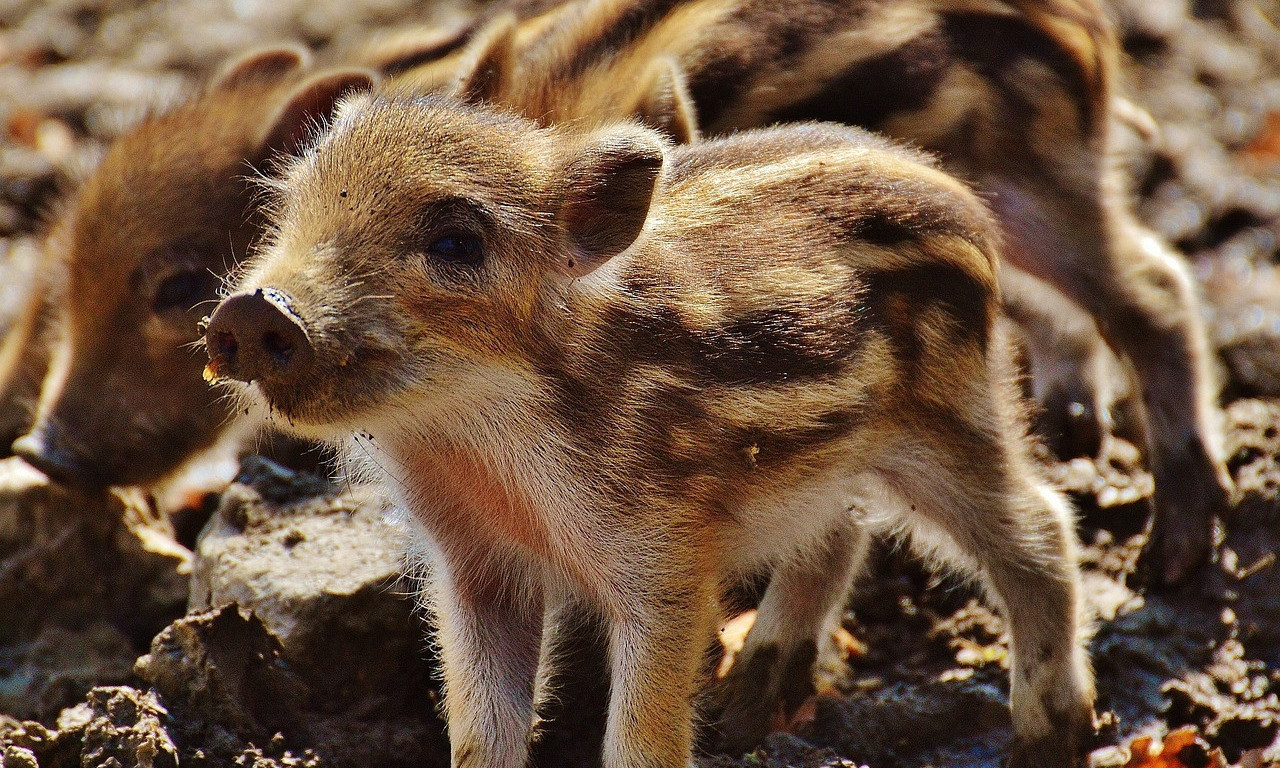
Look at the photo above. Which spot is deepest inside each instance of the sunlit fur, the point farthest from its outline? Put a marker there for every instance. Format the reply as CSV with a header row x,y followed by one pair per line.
x,y
1017,96
800,323
1014,95
123,400
124,394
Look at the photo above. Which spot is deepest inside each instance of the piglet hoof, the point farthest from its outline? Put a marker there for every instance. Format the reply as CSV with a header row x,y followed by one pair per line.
x,y
1071,424
759,695
1067,746
1181,535
743,724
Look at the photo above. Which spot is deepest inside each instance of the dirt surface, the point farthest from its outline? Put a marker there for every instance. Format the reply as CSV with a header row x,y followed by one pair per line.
x,y
286,636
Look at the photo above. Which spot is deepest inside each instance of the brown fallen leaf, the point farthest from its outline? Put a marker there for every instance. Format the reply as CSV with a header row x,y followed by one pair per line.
x,y
22,126
847,645
733,635
1182,748
1265,147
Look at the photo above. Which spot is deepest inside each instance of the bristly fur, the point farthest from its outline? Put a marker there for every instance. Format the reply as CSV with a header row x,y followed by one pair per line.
x,y
1018,97
138,254
672,366
1015,94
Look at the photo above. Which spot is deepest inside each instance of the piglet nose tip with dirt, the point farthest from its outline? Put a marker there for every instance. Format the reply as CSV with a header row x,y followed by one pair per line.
x,y
255,336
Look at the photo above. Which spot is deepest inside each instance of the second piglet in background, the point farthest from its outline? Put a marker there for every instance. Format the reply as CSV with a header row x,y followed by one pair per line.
x,y
136,259
594,367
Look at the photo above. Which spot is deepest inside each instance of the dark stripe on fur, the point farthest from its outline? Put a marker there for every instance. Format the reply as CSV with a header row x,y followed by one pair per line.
x,y
779,35
427,55
777,446
896,297
872,90
995,45
630,25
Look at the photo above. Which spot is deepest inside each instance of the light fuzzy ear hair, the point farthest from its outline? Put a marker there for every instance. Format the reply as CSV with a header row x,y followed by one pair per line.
x,y
609,189
311,104
664,103
260,66
487,61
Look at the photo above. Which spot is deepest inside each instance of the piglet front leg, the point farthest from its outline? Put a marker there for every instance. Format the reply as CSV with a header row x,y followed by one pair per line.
x,y
656,652
490,631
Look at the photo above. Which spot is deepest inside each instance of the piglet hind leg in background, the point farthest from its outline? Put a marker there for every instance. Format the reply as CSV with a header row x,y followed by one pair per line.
x,y
594,367
1042,155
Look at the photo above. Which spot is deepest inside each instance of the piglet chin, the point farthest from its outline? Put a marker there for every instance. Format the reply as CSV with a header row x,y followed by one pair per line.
x,y
291,409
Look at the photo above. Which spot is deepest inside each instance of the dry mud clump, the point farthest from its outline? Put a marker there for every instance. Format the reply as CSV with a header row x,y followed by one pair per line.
x,y
288,637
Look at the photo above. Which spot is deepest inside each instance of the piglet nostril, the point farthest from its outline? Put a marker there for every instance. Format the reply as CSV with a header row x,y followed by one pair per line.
x,y
225,344
255,336
277,346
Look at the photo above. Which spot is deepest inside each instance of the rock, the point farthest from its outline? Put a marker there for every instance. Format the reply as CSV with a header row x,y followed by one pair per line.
x,y
116,726
970,716
126,726
316,570
300,627
85,582
225,668
56,667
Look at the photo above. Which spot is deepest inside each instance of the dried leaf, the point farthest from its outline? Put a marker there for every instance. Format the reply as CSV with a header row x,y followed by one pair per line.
x,y
1182,748
733,635
1266,146
847,645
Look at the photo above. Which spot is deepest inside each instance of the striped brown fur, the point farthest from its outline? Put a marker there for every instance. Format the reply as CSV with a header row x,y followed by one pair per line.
x,y
1017,97
742,64
654,370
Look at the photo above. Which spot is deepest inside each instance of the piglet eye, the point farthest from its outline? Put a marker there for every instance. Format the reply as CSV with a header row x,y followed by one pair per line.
x,y
457,247
178,291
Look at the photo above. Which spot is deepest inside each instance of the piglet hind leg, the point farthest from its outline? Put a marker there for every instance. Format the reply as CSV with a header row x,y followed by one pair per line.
x,y
1141,295
773,674
572,692
983,510
1183,421
1072,369
490,633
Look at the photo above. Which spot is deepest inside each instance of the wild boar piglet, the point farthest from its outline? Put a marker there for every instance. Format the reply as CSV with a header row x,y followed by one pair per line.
x,y
1018,96
596,368
136,257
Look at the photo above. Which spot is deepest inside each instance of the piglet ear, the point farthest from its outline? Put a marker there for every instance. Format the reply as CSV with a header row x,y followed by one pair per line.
x,y
610,186
312,104
260,66
487,61
665,104
394,53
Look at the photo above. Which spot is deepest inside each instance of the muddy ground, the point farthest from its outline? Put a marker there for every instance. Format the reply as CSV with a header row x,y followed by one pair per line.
x,y
286,634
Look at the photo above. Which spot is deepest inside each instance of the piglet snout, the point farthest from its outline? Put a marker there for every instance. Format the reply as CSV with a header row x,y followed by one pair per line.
x,y
42,450
255,336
